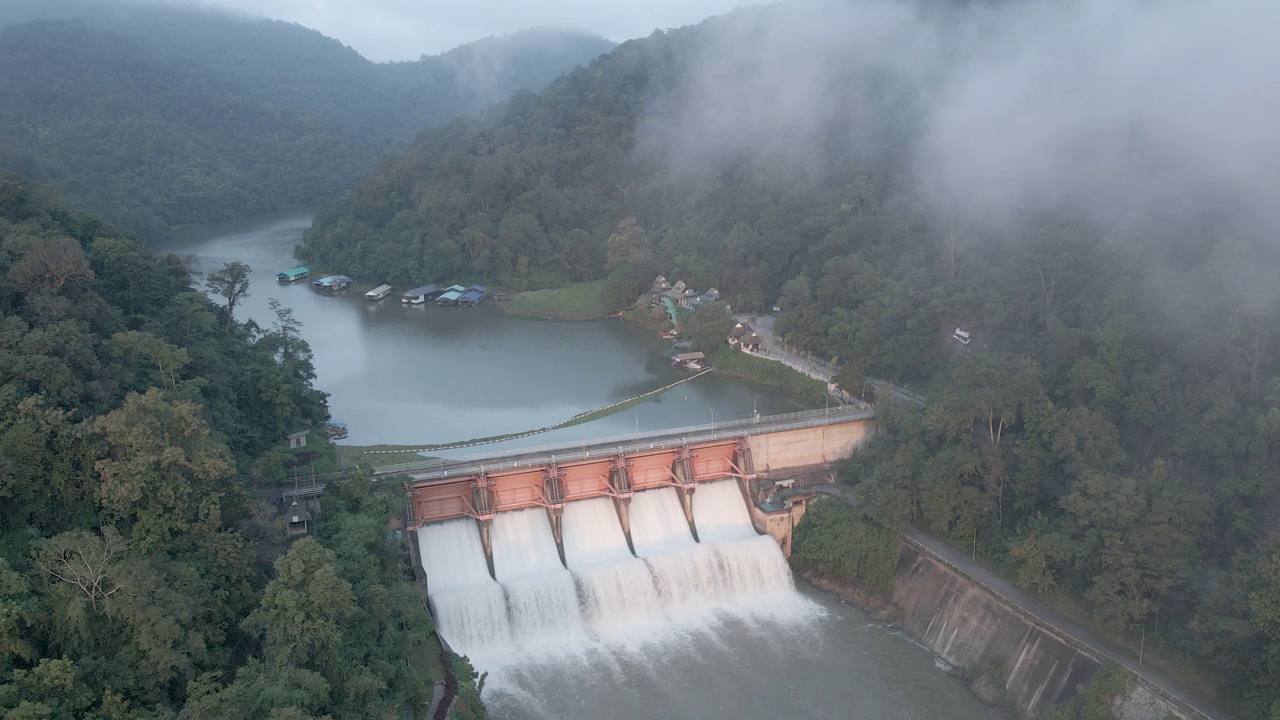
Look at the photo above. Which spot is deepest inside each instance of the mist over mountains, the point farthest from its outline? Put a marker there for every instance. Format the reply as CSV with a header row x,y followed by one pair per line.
x,y
156,115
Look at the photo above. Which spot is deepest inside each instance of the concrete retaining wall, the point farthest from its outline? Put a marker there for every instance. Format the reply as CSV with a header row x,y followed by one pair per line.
x,y
969,628
777,452
1000,647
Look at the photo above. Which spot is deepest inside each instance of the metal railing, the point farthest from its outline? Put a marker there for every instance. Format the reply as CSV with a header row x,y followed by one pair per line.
x,y
442,468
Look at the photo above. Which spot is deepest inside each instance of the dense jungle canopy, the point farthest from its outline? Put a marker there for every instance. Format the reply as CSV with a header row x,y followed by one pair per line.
x,y
141,575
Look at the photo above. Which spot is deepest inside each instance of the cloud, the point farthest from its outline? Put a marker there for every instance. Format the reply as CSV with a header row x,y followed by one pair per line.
x,y
1123,106
1128,104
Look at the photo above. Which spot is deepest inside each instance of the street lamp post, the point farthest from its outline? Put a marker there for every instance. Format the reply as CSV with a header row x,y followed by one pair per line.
x,y
713,422
754,412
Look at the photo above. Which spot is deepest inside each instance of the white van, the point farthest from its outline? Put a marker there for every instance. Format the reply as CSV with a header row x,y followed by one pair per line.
x,y
960,335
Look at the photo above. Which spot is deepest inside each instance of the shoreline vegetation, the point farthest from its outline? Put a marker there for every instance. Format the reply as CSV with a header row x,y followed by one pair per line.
x,y
575,301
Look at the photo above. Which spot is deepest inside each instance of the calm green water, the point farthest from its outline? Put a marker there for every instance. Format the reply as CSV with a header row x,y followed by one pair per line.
x,y
405,374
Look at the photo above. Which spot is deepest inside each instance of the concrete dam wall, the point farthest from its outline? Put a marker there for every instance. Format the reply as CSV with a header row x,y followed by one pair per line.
x,y
1008,654
973,630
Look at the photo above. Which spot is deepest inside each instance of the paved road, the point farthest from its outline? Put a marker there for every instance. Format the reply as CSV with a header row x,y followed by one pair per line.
x,y
1019,599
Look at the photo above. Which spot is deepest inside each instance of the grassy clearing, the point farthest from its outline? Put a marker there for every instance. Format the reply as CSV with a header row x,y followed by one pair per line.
x,y
579,301
350,455
425,659
767,372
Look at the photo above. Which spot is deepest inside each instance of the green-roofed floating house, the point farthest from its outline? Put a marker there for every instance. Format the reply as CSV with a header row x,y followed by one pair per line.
x,y
293,274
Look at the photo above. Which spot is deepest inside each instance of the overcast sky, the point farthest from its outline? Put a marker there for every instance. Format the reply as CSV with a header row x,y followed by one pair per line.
x,y
406,29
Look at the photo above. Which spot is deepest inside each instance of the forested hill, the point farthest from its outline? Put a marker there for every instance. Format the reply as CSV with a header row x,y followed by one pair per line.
x,y
1111,435
156,115
141,575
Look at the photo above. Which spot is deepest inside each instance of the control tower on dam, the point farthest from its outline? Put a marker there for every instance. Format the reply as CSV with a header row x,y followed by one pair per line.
x,y
769,459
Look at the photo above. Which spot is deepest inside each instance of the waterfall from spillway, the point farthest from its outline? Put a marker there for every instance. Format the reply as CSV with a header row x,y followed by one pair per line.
x,y
617,589
541,599
470,608
607,593
750,565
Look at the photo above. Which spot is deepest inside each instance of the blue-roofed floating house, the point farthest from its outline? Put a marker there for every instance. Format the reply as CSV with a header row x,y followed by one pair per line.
x,y
332,283
473,296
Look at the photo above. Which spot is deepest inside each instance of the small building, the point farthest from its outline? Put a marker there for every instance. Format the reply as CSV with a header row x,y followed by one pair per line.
x,y
660,284
332,283
419,295
297,519
679,287
293,274
298,439
473,296
450,295
739,331
378,293
752,342
688,357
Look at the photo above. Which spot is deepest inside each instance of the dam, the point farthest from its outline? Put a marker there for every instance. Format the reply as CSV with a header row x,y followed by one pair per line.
x,y
568,543
646,576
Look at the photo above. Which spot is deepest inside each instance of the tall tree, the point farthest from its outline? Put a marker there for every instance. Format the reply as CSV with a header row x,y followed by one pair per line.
x,y
231,283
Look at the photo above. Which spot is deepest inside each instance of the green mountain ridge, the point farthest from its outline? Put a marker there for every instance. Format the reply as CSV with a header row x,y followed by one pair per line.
x,y
234,115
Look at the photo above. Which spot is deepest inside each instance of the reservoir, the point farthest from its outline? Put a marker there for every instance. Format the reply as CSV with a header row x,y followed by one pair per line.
x,y
712,627
421,374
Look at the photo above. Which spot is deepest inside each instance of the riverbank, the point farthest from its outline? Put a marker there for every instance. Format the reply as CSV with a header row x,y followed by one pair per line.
x,y
577,301
737,364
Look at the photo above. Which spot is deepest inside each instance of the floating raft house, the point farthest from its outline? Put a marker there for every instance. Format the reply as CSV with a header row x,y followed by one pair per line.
x,y
332,283
378,293
293,274
419,295
473,296
450,295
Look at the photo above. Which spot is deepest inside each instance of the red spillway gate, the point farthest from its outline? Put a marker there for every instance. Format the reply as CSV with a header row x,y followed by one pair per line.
x,y
549,484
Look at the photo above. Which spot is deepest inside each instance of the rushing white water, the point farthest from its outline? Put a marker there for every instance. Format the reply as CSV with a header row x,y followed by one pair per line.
x,y
541,599
658,525
617,590
672,583
470,608
720,512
